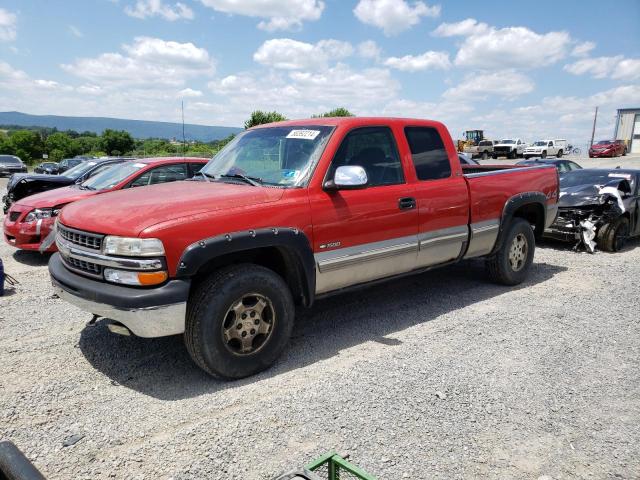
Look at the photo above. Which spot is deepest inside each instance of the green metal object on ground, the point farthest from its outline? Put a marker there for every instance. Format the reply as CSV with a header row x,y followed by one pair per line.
x,y
332,466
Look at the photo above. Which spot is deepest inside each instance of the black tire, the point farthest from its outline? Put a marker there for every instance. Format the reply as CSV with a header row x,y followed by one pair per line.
x,y
544,154
485,155
210,309
499,266
559,155
613,236
513,154
624,152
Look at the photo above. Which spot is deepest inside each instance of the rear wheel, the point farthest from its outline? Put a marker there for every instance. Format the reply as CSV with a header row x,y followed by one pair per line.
x,y
510,265
613,236
239,321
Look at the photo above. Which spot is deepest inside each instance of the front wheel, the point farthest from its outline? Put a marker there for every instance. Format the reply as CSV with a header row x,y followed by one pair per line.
x,y
510,265
485,155
239,320
559,155
613,236
544,154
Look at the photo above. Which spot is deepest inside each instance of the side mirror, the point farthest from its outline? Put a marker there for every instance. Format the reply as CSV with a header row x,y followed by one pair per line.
x,y
349,177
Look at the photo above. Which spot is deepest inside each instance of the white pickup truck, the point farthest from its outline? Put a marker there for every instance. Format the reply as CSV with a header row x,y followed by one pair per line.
x,y
510,148
546,148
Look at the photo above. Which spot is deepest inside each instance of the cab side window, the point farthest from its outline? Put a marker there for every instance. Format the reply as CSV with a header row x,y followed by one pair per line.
x,y
374,149
428,153
163,174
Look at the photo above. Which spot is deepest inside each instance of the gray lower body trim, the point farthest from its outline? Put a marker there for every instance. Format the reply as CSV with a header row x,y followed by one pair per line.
x,y
345,267
441,246
552,213
158,321
483,237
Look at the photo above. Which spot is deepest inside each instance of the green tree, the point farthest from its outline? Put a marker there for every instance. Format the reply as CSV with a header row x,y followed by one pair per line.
x,y
26,144
59,145
258,117
336,112
116,142
85,144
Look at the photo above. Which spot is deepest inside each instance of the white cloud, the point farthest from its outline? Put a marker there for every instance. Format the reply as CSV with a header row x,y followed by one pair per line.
x,y
582,49
369,49
288,54
617,67
507,84
393,16
157,8
298,94
470,26
8,27
190,93
413,63
280,14
75,31
148,61
512,47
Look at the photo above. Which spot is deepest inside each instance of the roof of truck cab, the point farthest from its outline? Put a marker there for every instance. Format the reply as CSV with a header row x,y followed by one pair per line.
x,y
350,122
161,160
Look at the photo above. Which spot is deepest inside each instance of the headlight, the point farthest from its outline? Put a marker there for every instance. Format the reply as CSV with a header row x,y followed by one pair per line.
x,y
127,277
40,213
133,247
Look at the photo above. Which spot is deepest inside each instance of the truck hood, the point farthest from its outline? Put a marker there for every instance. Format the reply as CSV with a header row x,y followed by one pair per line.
x,y
57,197
128,212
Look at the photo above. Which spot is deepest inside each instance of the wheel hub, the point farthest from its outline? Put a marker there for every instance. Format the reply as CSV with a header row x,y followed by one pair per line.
x,y
248,324
518,252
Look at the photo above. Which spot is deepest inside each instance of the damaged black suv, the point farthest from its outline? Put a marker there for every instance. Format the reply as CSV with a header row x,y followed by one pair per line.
x,y
598,208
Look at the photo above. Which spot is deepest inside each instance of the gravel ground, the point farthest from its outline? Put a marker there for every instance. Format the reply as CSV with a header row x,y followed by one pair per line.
x,y
441,375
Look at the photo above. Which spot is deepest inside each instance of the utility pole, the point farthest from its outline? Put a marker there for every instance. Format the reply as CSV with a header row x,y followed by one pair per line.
x,y
184,141
593,131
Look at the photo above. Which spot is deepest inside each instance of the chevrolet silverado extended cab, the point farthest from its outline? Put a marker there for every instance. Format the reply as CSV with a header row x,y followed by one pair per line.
x,y
287,213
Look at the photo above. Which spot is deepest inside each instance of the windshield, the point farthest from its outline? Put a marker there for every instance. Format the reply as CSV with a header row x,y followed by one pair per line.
x,y
485,144
603,142
49,164
79,170
112,176
539,144
9,159
283,156
576,178
507,141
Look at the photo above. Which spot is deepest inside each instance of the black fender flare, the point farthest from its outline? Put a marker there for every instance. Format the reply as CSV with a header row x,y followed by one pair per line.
x,y
511,206
292,243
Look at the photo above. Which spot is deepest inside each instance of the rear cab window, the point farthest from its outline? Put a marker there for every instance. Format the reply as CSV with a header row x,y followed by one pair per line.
x,y
428,153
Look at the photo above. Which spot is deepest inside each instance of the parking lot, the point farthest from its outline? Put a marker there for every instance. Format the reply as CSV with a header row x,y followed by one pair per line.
x,y
440,375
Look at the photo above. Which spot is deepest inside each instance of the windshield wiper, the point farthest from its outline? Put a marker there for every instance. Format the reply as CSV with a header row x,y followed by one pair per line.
x,y
85,187
207,177
255,181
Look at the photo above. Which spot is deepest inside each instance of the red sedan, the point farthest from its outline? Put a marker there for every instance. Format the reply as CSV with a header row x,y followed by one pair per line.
x,y
608,148
30,220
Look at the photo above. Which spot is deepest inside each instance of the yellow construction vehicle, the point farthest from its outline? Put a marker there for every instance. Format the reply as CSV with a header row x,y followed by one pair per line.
x,y
471,139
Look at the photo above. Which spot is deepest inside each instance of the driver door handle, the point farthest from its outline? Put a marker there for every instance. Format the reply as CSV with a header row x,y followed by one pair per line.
x,y
407,203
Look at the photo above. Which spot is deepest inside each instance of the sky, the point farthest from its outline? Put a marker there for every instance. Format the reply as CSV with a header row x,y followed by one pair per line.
x,y
515,69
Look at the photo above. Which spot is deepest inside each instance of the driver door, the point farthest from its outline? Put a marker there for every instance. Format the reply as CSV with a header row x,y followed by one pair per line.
x,y
369,233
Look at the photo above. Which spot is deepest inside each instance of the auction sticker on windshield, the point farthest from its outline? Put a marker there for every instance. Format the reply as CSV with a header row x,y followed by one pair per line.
x,y
303,134
139,165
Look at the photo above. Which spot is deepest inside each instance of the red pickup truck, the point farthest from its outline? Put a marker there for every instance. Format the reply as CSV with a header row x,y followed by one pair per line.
x,y
287,213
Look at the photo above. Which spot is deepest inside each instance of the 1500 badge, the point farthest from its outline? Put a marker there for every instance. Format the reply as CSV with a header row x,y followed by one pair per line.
x,y
330,245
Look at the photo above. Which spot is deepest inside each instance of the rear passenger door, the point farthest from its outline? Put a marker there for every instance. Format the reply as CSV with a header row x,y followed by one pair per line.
x,y
442,198
369,233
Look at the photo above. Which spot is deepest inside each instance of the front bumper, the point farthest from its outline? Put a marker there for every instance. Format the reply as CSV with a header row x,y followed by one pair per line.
x,y
28,236
147,312
601,153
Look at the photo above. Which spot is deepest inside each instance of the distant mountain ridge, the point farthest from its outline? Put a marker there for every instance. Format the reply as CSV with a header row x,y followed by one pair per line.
x,y
137,128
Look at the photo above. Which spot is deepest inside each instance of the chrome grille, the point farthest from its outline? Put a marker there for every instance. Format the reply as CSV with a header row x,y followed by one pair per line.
x,y
13,216
84,266
83,239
